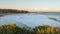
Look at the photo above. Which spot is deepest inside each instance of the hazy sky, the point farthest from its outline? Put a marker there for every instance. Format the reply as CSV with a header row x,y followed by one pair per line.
x,y
40,5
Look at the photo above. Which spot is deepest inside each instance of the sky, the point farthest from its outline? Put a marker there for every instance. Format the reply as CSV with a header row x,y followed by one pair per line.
x,y
32,5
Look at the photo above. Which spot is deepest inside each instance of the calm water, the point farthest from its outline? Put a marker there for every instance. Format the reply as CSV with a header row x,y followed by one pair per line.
x,y
30,19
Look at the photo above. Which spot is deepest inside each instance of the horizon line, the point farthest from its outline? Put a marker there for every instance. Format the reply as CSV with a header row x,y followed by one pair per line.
x,y
37,10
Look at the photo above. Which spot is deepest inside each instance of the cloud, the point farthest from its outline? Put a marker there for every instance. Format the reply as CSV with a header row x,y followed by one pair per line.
x,y
31,9
45,9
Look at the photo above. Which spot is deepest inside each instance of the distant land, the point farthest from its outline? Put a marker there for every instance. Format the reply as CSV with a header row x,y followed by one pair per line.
x,y
12,11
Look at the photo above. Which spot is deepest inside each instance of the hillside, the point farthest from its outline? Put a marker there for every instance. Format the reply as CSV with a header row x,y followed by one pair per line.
x,y
12,11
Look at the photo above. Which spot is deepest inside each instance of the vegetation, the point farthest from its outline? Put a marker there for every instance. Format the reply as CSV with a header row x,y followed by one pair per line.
x,y
46,30
13,29
12,11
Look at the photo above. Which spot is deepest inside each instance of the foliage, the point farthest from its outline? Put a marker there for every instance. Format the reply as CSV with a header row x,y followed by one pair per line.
x,y
13,29
46,30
